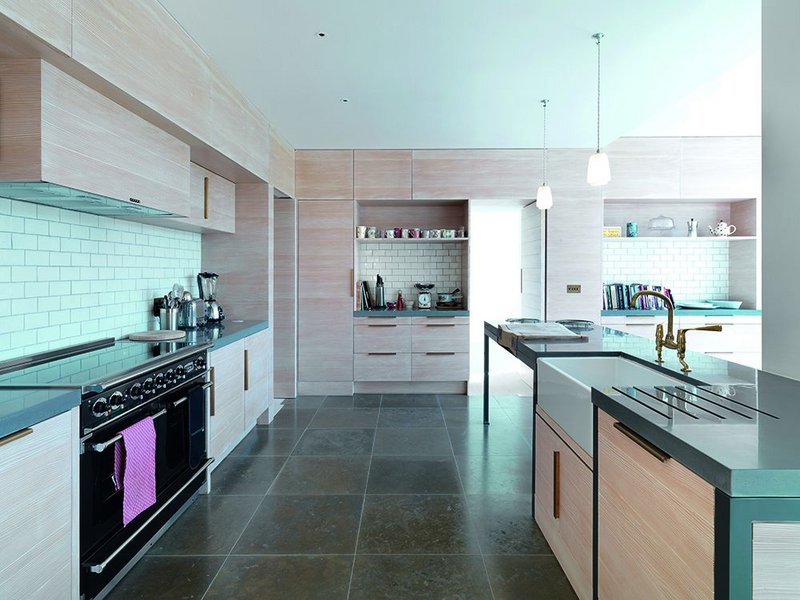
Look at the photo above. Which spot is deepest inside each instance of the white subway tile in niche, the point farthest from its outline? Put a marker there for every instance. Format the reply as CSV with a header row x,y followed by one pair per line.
x,y
76,277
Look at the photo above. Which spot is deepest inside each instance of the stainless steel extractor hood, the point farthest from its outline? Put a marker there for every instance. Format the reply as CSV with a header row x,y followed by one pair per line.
x,y
59,196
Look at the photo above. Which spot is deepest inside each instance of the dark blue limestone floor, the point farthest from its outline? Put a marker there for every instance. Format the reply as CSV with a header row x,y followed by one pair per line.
x,y
364,497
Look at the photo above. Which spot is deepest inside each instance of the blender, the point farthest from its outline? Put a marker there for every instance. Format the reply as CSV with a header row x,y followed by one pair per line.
x,y
207,283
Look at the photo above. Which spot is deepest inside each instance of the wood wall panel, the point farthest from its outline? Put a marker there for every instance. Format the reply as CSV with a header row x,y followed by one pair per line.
x,y
721,167
285,298
476,173
281,164
644,168
51,20
382,174
324,174
243,260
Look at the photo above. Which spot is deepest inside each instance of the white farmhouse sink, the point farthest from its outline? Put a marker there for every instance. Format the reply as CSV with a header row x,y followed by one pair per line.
x,y
564,388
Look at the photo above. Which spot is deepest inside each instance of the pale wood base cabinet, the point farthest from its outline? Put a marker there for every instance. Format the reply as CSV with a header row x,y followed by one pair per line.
x,y
655,522
563,504
38,520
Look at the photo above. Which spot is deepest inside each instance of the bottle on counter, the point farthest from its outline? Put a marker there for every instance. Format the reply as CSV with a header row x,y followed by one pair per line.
x,y
400,303
380,299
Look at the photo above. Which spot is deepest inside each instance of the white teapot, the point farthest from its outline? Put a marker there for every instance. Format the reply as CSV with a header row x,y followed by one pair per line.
x,y
722,229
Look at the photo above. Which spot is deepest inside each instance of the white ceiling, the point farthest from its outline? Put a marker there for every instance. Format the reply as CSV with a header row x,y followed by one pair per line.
x,y
470,73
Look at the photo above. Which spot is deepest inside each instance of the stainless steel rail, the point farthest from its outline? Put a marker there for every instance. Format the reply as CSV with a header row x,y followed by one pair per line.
x,y
102,446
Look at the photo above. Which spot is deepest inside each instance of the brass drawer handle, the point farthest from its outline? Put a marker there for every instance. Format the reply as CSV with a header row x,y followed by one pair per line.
x,y
641,442
381,353
556,484
17,435
383,325
440,353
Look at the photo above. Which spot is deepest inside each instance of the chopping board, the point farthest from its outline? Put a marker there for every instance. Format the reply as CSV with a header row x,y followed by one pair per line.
x,y
157,335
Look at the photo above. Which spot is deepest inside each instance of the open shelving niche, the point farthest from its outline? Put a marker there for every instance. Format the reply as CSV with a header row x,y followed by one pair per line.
x,y
744,278
423,214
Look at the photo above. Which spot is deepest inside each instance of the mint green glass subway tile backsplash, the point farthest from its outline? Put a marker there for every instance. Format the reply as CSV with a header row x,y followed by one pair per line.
x,y
72,277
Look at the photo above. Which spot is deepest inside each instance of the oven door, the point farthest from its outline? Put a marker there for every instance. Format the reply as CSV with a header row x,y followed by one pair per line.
x,y
107,546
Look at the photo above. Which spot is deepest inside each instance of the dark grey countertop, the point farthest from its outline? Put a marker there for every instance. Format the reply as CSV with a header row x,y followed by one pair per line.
x,y
746,457
684,312
24,407
410,313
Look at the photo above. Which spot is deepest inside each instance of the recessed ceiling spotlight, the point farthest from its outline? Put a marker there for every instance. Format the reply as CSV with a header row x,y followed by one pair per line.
x,y
321,34
345,100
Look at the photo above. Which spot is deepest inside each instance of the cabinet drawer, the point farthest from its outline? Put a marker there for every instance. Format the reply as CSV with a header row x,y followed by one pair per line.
x,y
655,523
440,366
390,366
436,318
440,337
563,506
381,337
399,321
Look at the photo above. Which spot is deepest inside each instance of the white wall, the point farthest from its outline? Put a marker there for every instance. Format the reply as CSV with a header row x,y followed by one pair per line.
x,y
781,200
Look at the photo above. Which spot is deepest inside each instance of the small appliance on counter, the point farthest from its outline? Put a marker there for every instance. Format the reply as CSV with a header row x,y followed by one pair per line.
x,y
207,283
424,296
380,297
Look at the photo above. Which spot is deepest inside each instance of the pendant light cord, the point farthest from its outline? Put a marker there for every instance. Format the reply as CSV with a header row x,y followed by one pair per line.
x,y
598,37
544,142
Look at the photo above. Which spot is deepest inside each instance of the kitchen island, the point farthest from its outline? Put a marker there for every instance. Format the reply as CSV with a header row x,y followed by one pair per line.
x,y
739,456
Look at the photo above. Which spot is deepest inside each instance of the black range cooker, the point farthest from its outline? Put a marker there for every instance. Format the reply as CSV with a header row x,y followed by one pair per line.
x,y
122,382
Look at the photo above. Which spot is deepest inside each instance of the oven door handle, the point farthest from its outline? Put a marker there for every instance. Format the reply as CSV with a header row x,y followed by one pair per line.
x,y
103,446
100,567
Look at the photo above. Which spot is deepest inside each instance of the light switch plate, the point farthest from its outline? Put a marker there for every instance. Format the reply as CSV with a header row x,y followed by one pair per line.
x,y
573,288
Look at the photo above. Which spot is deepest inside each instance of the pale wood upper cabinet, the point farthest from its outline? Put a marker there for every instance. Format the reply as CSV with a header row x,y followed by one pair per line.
x,y
655,522
324,174
644,168
58,130
51,20
721,167
139,48
382,174
212,202
281,164
37,511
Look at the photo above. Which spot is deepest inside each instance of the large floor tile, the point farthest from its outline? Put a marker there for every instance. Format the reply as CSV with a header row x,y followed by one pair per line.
x,y
528,578
462,417
305,402
334,442
323,475
290,577
210,526
350,418
266,441
474,402
354,401
246,475
410,401
303,525
411,417
168,578
293,418
416,525
506,526
424,577
496,474
488,440
412,441
413,475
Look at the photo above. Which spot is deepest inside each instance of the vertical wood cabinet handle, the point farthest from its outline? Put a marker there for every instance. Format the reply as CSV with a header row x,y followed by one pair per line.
x,y
556,484
352,283
13,437
246,371
211,393
205,197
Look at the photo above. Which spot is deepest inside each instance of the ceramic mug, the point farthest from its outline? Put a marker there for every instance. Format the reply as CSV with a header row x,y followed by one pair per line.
x,y
448,233
427,234
372,232
436,233
361,231
390,233
398,232
461,232
414,233
404,232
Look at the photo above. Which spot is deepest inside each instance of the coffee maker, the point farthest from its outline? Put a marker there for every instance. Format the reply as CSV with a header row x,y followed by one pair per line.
x,y
207,283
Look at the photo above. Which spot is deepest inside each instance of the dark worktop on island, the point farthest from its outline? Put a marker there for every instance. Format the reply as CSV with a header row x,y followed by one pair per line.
x,y
759,456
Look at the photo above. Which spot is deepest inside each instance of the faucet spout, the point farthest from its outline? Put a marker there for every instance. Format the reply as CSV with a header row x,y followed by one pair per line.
x,y
669,340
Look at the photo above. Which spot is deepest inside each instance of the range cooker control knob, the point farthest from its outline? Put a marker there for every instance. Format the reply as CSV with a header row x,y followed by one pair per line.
x,y
160,380
116,399
148,386
136,391
180,372
200,362
100,407
170,375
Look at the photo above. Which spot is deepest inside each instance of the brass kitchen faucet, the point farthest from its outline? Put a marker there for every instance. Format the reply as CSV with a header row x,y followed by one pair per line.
x,y
670,341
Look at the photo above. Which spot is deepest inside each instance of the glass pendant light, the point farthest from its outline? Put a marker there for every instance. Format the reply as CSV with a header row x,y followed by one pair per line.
x,y
544,195
599,172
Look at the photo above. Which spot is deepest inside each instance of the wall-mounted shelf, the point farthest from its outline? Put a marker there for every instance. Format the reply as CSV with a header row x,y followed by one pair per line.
x,y
705,238
412,240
